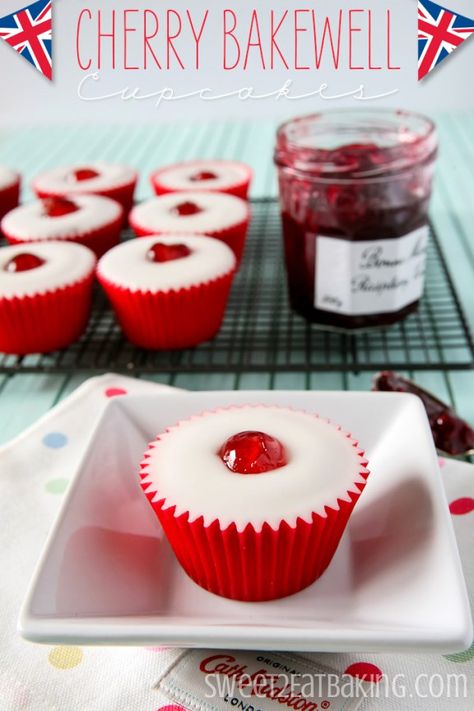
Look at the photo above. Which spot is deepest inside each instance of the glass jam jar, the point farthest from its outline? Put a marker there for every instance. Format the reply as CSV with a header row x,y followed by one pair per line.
x,y
354,192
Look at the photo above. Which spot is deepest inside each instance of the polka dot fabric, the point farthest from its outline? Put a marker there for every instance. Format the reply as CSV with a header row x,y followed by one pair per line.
x,y
39,678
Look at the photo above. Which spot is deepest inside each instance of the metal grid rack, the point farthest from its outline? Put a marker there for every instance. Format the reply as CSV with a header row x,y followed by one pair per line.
x,y
261,333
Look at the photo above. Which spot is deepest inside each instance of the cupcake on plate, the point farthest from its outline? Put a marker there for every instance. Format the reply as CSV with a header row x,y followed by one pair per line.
x,y
254,499
168,291
96,178
45,295
220,176
224,217
90,220
9,190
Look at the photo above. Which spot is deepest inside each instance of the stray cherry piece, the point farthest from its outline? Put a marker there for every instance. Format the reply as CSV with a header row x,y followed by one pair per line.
x,y
203,175
161,252
184,209
252,452
23,262
58,206
81,174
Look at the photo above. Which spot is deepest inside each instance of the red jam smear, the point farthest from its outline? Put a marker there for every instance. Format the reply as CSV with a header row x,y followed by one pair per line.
x,y
81,174
161,252
59,206
24,262
252,452
340,204
450,433
187,208
203,175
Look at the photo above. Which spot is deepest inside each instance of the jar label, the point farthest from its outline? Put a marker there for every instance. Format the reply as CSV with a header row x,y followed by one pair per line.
x,y
369,277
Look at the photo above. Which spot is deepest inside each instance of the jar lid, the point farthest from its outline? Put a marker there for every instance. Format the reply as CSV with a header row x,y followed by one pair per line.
x,y
355,144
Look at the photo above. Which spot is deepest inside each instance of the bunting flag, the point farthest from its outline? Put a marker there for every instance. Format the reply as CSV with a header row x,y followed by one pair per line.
x,y
440,32
29,32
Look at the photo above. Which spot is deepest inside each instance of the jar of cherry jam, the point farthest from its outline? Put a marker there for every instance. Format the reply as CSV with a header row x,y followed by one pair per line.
x,y
354,191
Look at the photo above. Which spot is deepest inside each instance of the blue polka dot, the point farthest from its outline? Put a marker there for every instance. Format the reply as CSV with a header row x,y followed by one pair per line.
x,y
55,440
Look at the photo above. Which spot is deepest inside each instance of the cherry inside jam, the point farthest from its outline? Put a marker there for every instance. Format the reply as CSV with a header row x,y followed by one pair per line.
x,y
203,175
161,252
450,433
24,262
58,206
252,452
187,208
81,174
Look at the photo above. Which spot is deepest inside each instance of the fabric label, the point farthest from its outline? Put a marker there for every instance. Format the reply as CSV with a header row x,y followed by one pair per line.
x,y
369,277
253,681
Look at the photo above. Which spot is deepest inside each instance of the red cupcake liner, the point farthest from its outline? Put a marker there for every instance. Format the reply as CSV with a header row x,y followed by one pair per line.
x,y
123,194
234,237
9,198
239,189
99,240
45,322
252,565
174,319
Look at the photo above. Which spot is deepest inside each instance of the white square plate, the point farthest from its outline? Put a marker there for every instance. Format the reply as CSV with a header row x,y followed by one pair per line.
x,y
108,575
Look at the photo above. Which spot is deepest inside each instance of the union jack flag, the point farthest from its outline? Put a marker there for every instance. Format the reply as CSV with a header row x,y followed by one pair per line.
x,y
29,32
440,32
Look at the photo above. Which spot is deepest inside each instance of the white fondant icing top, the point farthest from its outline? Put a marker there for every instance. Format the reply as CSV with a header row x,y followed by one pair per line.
x,y
180,175
182,466
30,222
127,264
218,212
8,177
65,264
59,181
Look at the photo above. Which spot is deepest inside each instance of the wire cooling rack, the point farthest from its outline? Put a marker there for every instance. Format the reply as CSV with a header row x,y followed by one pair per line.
x,y
261,333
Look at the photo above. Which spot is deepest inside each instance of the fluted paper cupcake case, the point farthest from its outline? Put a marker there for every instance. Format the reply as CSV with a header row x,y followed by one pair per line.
x,y
47,321
253,565
234,237
99,240
173,319
239,189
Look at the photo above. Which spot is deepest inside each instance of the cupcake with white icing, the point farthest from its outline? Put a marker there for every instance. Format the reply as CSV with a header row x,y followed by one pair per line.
x,y
224,217
168,291
9,190
254,499
45,295
91,220
95,178
220,176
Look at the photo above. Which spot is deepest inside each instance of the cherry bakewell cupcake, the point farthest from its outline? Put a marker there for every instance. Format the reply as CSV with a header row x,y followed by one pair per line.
x,y
254,499
220,176
108,179
168,291
90,220
9,190
45,295
224,217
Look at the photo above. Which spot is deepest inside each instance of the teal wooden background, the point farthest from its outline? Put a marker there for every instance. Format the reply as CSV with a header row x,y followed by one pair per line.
x,y
24,398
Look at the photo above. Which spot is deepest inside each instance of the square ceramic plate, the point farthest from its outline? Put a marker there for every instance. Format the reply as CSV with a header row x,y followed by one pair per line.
x,y
108,575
